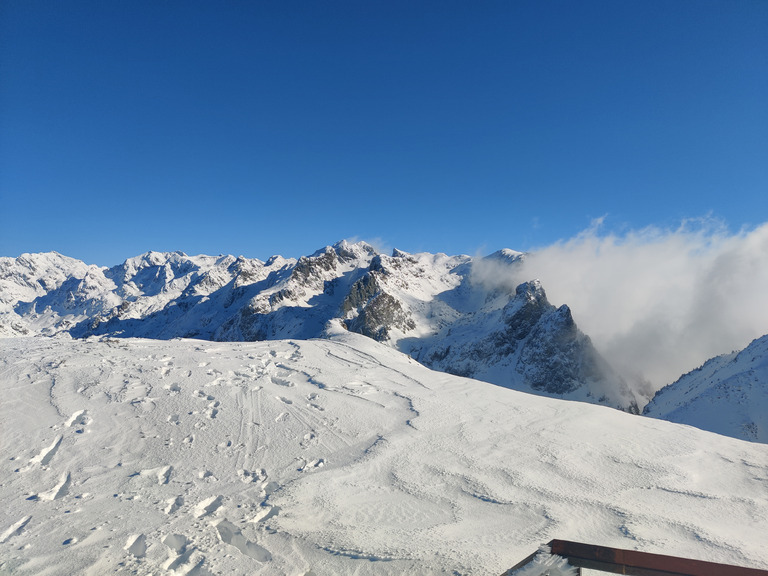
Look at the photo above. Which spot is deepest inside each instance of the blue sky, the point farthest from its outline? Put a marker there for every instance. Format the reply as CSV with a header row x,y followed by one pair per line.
x,y
262,128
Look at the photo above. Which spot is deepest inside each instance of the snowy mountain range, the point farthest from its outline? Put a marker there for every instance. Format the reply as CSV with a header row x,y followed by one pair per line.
x,y
440,310
151,434
430,306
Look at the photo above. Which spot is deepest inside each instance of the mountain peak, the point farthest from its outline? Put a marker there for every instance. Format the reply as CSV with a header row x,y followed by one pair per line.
x,y
354,250
423,304
396,253
532,290
153,258
506,256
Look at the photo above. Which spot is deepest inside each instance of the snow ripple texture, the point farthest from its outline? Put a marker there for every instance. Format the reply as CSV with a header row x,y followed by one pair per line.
x,y
338,456
434,307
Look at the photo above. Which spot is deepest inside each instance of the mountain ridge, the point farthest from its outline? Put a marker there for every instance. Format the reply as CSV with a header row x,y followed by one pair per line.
x,y
728,394
429,306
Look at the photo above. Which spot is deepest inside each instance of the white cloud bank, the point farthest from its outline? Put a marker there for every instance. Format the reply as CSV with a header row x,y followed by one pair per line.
x,y
658,303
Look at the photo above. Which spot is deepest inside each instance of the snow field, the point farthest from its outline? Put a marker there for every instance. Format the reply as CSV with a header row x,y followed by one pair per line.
x,y
337,456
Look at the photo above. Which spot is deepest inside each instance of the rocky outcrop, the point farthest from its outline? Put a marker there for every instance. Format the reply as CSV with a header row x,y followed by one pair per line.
x,y
439,309
533,346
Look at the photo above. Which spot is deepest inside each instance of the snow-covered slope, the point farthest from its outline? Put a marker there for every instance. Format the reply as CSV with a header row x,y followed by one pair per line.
x,y
337,456
430,306
727,395
28,277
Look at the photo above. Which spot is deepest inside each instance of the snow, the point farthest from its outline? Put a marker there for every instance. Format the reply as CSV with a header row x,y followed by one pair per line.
x,y
437,308
546,564
337,456
727,395
30,276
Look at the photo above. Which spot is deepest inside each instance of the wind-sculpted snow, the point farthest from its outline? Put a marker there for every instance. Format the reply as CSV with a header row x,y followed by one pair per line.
x,y
727,395
337,456
430,306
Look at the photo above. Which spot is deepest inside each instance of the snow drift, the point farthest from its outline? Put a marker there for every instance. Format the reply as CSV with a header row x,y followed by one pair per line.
x,y
337,456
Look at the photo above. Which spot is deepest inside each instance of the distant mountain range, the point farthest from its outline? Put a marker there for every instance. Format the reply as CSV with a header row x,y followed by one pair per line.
x,y
433,307
429,306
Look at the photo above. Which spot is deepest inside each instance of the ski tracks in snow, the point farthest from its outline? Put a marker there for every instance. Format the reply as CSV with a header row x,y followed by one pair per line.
x,y
166,454
194,457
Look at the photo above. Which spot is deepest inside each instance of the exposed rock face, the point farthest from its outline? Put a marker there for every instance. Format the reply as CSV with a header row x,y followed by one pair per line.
x,y
377,315
372,312
535,345
436,308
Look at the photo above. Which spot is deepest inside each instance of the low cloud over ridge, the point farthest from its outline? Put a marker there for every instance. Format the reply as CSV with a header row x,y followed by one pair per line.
x,y
657,303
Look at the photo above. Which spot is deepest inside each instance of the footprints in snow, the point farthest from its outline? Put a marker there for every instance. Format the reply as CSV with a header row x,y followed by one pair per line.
x,y
282,381
311,465
46,454
79,418
309,438
173,389
265,512
182,558
311,402
215,519
212,521
14,529
136,545
43,459
61,489
202,395
207,476
231,534
247,476
173,504
161,474
207,506
176,542
212,410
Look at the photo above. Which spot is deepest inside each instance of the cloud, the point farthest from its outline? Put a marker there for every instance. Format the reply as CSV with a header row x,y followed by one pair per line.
x,y
657,302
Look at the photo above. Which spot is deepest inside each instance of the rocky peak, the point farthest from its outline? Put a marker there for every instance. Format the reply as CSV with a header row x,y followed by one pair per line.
x,y
314,266
361,292
532,291
400,254
372,312
150,268
247,270
427,305
349,251
525,310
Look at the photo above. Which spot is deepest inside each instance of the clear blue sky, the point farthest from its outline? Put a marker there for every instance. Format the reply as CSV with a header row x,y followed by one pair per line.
x,y
258,128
